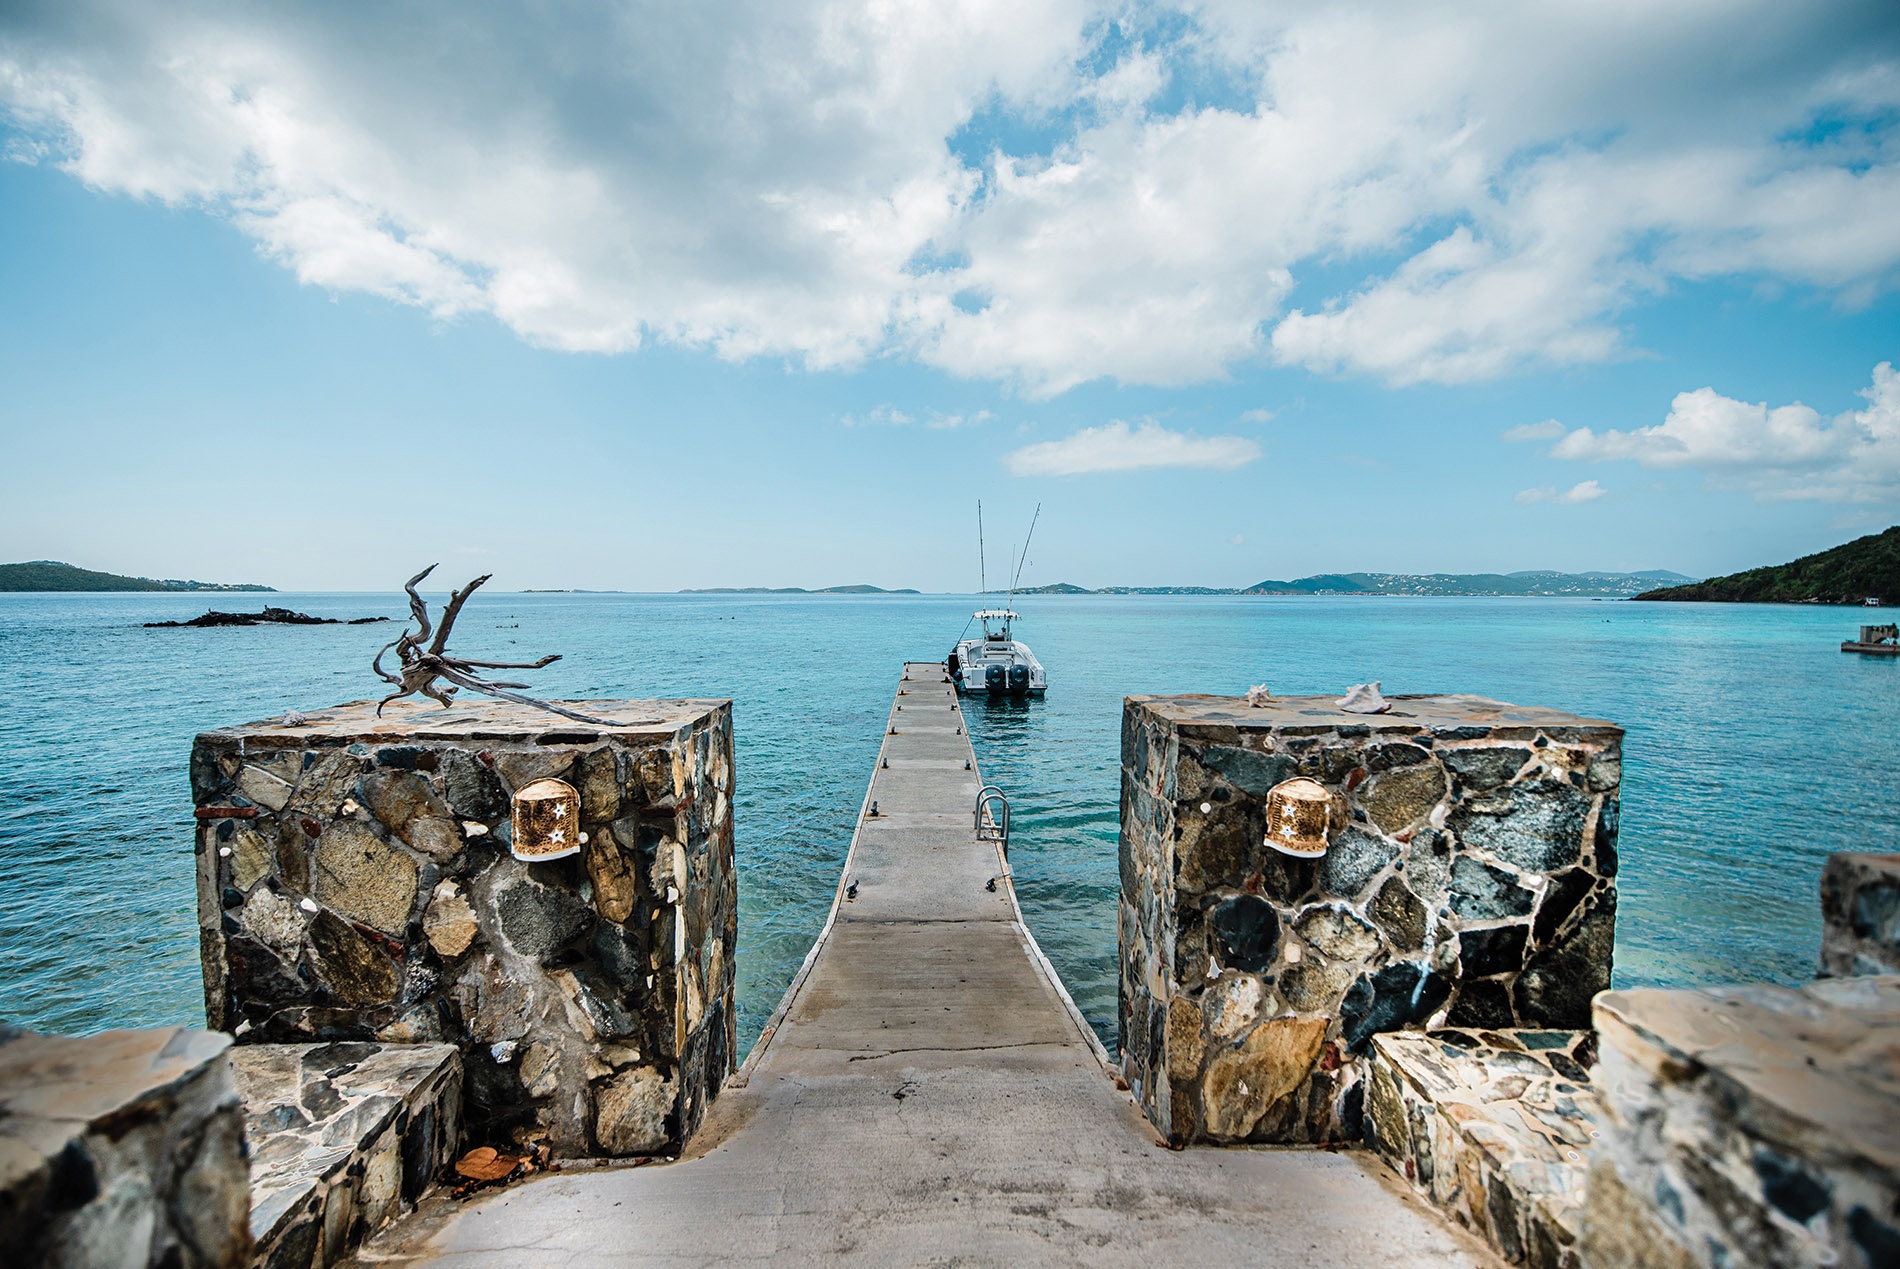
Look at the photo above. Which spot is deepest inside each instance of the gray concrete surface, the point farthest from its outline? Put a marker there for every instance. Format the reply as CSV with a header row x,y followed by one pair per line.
x,y
927,1095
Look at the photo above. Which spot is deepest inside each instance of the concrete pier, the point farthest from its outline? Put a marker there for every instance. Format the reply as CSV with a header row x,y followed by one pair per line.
x,y
927,1092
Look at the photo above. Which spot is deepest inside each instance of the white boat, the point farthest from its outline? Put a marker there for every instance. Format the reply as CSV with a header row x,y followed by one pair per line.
x,y
997,663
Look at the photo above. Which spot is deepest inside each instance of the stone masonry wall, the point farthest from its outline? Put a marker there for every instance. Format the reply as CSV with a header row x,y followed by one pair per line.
x,y
355,883
1860,915
1751,1127
124,1148
344,1137
1474,885
1493,1128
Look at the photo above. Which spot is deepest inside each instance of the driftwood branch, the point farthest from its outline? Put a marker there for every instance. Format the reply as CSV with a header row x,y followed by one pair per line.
x,y
423,662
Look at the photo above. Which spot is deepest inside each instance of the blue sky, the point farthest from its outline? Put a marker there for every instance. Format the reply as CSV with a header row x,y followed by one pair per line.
x,y
772,294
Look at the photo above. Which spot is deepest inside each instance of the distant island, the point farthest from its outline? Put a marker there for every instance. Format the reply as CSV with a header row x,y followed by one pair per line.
x,y
1866,568
1535,582
52,575
797,590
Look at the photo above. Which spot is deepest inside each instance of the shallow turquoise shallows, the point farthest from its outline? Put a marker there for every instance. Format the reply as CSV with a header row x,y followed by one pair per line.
x,y
1755,748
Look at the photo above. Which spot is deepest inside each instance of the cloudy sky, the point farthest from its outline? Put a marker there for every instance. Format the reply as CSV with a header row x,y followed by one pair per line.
x,y
772,291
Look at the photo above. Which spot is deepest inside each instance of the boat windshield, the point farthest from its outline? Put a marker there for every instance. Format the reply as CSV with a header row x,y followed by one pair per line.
x,y
995,622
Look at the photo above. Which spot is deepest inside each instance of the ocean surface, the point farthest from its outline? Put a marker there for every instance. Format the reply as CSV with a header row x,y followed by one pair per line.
x,y
1755,747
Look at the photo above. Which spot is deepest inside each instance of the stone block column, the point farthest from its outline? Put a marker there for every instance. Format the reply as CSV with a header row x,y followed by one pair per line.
x,y
1473,883
356,882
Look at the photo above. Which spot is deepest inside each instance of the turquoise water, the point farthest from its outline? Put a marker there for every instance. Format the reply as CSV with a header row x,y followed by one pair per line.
x,y
1755,748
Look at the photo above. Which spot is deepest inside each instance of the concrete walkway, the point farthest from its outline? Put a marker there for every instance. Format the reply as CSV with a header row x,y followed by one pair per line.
x,y
928,1094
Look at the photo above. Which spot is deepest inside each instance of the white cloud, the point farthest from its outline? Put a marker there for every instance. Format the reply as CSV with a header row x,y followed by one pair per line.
x,y
890,416
1784,452
1496,185
1237,540
1257,416
1584,491
1118,447
878,416
947,422
1548,430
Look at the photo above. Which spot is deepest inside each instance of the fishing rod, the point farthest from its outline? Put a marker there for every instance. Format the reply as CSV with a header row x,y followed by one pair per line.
x,y
981,573
1025,555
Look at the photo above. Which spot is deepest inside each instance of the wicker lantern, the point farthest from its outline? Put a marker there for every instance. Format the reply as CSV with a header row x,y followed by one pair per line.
x,y
547,821
1301,817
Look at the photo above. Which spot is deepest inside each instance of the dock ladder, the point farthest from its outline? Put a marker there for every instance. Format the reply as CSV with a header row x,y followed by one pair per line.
x,y
992,817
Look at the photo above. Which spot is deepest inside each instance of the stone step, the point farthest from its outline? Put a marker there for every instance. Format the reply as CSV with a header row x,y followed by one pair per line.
x,y
1749,1127
343,1136
123,1148
1494,1128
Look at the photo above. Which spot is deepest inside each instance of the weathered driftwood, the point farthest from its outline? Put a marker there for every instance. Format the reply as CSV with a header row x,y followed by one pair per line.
x,y
424,661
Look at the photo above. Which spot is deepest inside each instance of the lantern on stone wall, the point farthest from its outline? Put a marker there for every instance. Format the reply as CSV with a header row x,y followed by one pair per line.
x,y
1301,817
547,821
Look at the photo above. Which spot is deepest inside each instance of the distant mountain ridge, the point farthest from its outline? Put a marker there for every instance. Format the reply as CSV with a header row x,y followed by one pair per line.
x,y
1866,568
1597,585
859,589
55,576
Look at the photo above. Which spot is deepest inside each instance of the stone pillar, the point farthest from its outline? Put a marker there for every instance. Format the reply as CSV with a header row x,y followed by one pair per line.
x,y
124,1148
356,882
1750,1127
1860,915
1474,883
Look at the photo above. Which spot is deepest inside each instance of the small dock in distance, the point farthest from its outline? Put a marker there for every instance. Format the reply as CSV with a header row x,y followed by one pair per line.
x,y
1876,641
927,1092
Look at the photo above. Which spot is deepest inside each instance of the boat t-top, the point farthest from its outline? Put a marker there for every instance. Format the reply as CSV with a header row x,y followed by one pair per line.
x,y
996,663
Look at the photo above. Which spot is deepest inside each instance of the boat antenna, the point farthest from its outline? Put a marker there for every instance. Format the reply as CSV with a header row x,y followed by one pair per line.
x,y
982,576
1025,555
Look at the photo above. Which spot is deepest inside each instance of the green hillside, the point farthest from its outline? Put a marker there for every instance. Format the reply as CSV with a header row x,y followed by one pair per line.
x,y
1850,574
52,575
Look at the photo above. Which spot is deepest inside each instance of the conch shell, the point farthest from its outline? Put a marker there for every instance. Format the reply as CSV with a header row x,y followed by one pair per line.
x,y
1364,698
1258,695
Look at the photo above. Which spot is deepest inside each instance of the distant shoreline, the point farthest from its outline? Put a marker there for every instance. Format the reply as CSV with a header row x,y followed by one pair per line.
x,y
797,590
49,577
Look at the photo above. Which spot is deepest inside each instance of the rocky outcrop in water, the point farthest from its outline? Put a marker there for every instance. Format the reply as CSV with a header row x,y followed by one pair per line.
x,y
269,617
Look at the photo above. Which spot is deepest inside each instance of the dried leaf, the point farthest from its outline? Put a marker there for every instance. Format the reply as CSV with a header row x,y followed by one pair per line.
x,y
484,1164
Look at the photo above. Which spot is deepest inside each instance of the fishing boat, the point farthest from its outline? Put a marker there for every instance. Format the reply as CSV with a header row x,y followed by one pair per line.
x,y
995,662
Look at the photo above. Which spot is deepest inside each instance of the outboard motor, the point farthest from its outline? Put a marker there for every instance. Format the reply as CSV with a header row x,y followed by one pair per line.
x,y
994,678
1019,680
956,671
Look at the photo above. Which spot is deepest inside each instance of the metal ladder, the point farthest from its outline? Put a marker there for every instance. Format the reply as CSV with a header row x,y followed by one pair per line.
x,y
996,827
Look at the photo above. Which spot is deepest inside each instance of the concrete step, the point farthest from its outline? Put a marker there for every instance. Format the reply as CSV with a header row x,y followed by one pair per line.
x,y
343,1136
